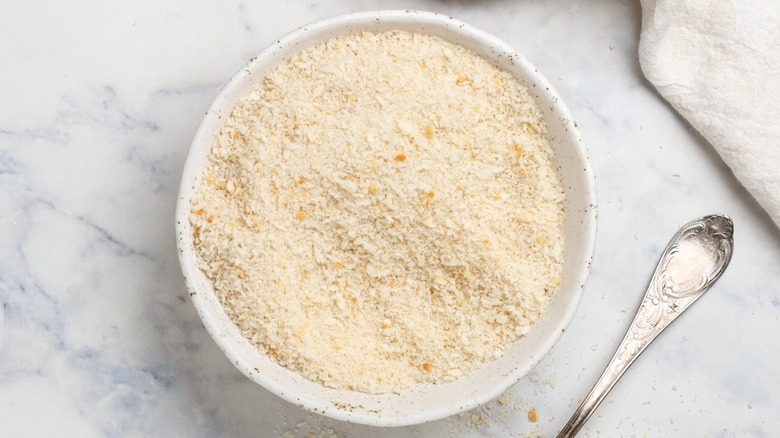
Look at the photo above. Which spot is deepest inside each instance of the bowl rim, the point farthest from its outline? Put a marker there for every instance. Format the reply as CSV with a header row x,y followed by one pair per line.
x,y
191,172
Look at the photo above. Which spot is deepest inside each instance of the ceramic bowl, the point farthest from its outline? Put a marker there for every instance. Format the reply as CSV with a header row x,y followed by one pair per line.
x,y
423,402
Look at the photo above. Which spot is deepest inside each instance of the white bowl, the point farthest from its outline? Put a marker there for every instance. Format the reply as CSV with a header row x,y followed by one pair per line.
x,y
425,402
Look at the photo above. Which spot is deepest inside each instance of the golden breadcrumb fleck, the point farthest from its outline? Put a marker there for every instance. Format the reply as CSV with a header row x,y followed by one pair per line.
x,y
429,132
462,80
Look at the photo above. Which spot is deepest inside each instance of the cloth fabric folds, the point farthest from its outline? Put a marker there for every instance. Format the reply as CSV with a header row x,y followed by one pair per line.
x,y
718,63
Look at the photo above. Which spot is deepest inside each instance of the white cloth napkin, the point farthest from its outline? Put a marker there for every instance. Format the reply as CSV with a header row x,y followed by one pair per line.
x,y
718,63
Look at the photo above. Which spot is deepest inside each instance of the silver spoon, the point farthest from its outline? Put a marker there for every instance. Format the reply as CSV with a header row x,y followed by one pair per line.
x,y
694,259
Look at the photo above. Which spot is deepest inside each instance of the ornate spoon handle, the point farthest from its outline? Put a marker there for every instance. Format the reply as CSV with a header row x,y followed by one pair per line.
x,y
694,259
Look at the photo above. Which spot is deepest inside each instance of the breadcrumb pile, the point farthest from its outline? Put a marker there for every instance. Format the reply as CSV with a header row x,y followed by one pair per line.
x,y
382,211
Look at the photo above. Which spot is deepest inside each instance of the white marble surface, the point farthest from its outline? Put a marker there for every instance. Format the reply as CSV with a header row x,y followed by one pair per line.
x,y
98,103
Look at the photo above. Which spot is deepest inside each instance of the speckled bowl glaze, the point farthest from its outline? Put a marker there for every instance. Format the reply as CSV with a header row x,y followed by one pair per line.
x,y
424,402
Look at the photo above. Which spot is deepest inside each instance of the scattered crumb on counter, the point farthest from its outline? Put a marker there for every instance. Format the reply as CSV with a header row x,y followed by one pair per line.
x,y
534,433
306,429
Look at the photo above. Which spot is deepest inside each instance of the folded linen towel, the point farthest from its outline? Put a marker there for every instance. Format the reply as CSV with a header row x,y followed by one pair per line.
x,y
718,63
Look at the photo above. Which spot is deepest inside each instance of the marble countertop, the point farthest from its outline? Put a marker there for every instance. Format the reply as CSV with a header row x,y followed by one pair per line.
x,y
98,105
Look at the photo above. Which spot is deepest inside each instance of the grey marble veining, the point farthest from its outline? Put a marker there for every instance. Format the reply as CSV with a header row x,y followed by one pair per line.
x,y
97,335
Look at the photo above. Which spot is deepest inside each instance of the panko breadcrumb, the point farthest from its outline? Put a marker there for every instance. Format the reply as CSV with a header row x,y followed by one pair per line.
x,y
382,210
